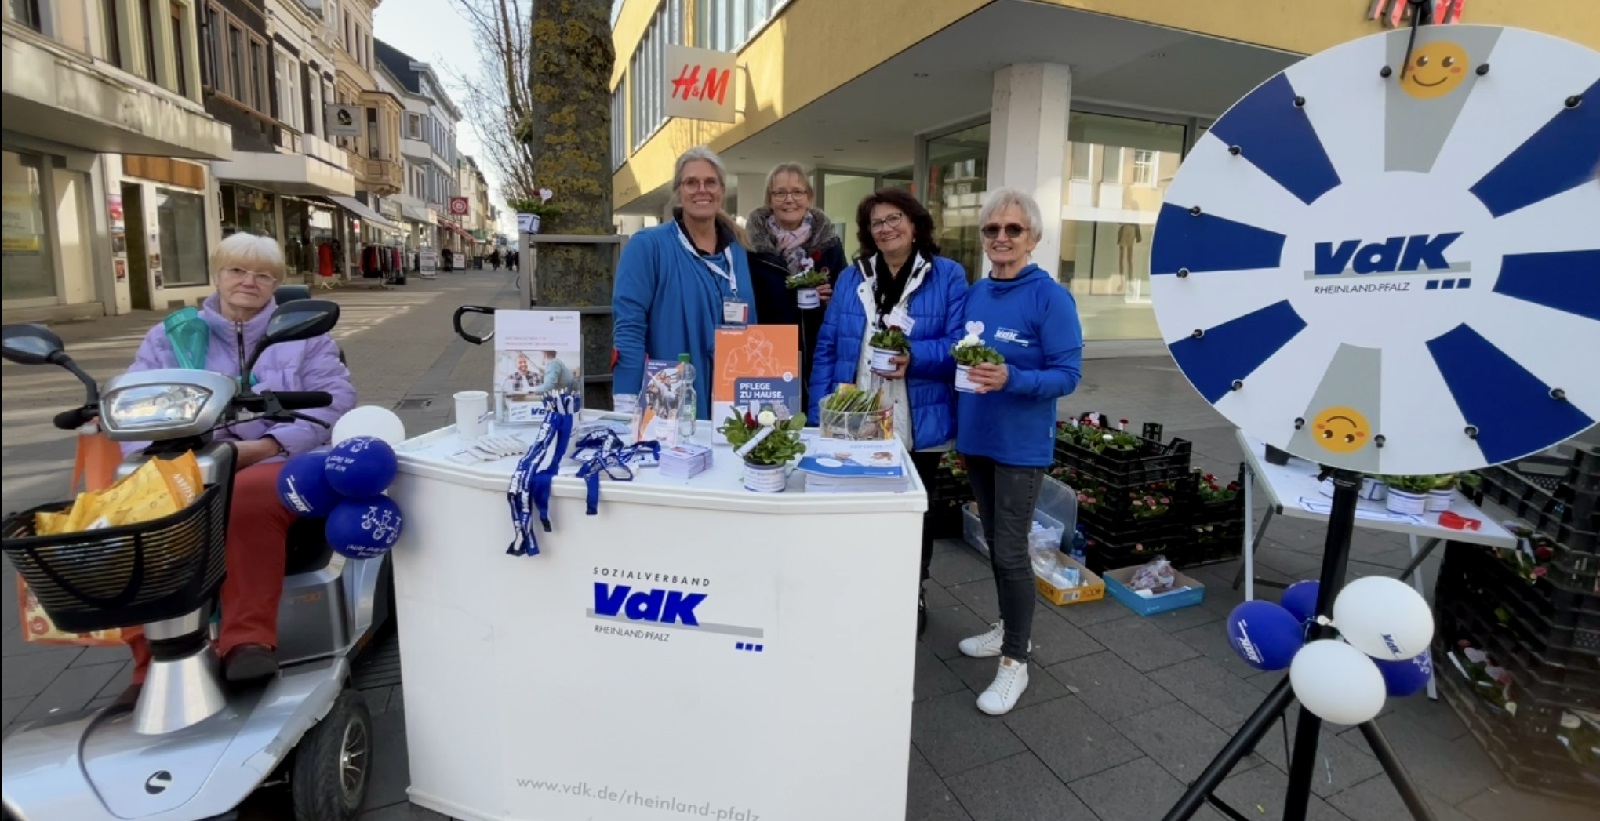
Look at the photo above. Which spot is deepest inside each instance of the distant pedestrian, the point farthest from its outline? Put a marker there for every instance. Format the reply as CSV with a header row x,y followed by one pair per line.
x,y
494,258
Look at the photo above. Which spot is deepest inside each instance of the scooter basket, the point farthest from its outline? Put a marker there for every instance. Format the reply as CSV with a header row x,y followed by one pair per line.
x,y
123,576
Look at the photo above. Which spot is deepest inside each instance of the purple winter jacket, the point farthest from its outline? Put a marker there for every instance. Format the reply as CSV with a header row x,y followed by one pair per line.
x,y
310,365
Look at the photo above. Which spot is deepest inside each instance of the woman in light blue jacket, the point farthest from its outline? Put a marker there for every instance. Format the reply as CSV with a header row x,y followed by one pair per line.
x,y
678,282
899,281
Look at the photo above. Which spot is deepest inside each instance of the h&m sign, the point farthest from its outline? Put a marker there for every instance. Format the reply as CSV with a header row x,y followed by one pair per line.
x,y
1395,12
699,84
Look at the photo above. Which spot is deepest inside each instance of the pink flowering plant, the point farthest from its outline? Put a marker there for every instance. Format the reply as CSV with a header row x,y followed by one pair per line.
x,y
1211,490
1149,505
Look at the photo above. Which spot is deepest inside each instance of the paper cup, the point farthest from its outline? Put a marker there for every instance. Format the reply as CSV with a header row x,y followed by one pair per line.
x,y
880,360
807,298
964,380
472,412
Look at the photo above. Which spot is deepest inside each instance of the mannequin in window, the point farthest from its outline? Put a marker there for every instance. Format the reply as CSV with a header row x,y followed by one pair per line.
x,y
1128,235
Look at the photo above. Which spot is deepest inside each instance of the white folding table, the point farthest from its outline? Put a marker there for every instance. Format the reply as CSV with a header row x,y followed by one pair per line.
x,y
1293,491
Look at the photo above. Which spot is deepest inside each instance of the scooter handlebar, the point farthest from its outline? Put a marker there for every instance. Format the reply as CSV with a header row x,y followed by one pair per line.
x,y
75,418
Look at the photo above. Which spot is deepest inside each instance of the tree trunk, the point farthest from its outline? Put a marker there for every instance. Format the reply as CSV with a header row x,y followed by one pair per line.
x,y
569,131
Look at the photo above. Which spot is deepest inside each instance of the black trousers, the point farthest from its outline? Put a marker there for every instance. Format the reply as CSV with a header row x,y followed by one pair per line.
x,y
927,465
1006,496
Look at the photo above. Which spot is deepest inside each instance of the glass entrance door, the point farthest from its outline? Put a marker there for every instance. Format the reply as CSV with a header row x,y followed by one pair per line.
x,y
958,178
841,193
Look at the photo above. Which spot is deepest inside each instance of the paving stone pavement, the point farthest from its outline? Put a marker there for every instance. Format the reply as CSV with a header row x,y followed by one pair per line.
x,y
1122,711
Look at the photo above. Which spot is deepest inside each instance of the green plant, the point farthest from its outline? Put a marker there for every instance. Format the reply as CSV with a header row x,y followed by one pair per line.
x,y
776,448
1210,491
809,278
1411,484
952,463
971,351
851,399
891,338
531,205
1149,506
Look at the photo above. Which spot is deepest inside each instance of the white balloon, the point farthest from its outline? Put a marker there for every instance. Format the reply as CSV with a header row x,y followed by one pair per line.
x,y
1337,682
1384,618
370,420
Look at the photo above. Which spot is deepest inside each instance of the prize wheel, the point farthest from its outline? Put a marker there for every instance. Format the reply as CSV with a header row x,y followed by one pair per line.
x,y
1386,258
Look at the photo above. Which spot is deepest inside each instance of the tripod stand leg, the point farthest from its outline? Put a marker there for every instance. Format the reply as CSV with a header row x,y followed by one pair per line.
x,y
1397,773
1241,745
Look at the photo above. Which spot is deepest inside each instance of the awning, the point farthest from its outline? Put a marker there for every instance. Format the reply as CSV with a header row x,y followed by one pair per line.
x,y
415,213
360,209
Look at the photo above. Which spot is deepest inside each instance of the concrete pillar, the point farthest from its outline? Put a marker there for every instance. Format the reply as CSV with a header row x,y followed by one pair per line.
x,y
1028,143
752,194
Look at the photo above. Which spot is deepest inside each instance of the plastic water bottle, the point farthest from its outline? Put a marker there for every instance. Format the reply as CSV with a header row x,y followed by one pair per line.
x,y
1079,545
688,400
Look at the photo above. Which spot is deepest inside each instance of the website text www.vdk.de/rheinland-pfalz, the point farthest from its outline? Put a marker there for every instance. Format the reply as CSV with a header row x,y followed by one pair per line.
x,y
661,803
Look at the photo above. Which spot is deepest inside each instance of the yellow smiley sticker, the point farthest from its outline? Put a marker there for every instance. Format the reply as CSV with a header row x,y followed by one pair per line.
x,y
1341,429
1435,70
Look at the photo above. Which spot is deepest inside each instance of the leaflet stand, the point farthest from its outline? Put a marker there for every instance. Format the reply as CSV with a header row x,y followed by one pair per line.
x,y
1335,559
1307,293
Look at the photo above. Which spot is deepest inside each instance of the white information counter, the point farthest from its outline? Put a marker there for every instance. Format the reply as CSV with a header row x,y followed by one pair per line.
x,y
694,650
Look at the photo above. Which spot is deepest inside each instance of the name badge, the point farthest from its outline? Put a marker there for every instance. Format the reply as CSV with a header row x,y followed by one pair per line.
x,y
735,312
898,318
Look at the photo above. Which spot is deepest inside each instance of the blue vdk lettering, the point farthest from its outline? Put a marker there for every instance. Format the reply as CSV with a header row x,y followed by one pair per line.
x,y
1394,254
661,606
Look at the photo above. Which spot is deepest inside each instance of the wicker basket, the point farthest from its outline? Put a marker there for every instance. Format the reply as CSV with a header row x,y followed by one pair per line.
x,y
868,426
123,576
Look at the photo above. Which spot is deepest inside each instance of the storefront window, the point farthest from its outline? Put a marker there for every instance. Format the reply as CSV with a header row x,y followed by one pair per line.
x,y
247,209
27,272
305,227
1118,172
182,220
958,177
841,194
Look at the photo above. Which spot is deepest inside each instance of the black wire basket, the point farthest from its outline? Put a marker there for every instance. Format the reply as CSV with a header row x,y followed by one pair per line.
x,y
123,576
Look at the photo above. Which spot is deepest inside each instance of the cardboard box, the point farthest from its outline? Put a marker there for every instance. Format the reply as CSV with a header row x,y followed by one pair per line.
x,y
1189,592
1092,589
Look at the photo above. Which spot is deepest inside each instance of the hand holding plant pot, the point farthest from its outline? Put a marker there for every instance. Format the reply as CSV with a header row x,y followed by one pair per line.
x,y
765,444
805,286
890,349
979,368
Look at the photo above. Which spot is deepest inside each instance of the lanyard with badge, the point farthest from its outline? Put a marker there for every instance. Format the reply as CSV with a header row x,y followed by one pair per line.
x,y
898,316
735,311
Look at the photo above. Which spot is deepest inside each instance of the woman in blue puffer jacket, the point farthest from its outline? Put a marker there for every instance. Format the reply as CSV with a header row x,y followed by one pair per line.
x,y
899,281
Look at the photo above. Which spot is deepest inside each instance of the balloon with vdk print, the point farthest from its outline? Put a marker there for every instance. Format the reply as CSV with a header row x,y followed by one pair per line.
x,y
1264,634
362,467
364,528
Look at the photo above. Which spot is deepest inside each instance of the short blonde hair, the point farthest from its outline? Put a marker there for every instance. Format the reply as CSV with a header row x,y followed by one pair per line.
x,y
252,252
1000,198
788,168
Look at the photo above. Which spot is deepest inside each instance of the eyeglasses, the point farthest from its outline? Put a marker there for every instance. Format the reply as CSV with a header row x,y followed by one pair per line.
x,y
261,277
707,184
780,196
891,221
992,231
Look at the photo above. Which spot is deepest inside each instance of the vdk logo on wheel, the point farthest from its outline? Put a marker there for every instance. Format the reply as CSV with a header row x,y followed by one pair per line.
x,y
1417,253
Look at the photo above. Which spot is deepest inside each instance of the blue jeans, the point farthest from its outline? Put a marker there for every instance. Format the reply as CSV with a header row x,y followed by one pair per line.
x,y
1006,496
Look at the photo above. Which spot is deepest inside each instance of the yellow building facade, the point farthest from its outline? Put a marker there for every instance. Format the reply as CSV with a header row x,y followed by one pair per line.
x,y
1088,104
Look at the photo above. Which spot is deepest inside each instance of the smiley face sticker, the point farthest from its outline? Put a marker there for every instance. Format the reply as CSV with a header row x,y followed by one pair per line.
x,y
1436,69
1341,429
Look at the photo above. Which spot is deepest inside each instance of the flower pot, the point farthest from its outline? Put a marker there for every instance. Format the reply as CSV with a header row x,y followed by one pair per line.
x,y
1440,499
1405,501
964,382
764,478
807,298
880,360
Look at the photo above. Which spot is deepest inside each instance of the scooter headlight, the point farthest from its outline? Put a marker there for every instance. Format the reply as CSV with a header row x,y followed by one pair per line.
x,y
154,407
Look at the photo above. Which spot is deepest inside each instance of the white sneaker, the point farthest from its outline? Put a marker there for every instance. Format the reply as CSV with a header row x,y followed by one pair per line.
x,y
1008,686
987,645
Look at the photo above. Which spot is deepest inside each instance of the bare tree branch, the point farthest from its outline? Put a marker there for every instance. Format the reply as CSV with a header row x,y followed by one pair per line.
x,y
496,98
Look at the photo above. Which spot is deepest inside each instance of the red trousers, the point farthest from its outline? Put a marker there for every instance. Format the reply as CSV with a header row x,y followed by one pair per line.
x,y
258,524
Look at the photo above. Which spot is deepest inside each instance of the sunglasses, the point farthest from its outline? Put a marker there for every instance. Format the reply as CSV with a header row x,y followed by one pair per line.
x,y
1012,230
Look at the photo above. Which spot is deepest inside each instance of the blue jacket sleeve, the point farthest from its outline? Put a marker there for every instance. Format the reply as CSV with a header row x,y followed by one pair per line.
x,y
1062,337
931,357
825,354
631,297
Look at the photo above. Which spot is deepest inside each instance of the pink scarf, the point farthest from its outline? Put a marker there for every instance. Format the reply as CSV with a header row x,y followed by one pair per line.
x,y
791,244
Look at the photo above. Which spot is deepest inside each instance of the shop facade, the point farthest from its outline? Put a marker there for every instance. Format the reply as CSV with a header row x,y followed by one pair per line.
x,y
1090,113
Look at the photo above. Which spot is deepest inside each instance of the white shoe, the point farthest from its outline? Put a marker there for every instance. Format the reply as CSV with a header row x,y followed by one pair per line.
x,y
987,645
1008,686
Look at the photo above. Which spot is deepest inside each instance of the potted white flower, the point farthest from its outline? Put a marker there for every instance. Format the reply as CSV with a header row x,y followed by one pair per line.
x,y
970,351
766,444
804,285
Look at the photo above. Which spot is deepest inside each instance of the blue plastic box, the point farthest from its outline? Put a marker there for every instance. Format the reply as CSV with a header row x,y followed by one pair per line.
x,y
1117,582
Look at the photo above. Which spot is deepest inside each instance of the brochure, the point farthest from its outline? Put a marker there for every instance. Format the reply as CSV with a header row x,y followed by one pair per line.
x,y
534,352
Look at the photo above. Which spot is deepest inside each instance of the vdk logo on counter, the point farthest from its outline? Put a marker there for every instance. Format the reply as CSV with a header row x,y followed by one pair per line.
x,y
1417,253
656,606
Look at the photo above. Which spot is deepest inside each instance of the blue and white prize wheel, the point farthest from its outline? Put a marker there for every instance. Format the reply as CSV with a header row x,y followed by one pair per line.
x,y
1387,258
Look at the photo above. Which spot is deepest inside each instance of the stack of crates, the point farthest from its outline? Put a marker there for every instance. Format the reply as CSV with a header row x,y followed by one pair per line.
x,y
1530,615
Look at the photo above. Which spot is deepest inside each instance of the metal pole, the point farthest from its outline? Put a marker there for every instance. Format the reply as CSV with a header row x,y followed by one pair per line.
x,y
1242,744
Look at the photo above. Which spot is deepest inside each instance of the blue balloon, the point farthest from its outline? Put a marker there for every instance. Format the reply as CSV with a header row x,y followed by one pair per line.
x,y
1406,677
1265,635
1300,599
364,528
361,466
303,485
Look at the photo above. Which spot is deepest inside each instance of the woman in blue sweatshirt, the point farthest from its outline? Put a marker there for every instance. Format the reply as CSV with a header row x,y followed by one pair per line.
x,y
678,282
1006,428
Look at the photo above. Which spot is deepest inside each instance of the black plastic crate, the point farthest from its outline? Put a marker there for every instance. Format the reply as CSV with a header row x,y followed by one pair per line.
x,y
1538,765
1569,517
1152,461
1558,635
1545,687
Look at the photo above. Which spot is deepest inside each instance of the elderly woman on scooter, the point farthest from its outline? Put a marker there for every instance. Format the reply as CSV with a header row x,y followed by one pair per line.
x,y
247,269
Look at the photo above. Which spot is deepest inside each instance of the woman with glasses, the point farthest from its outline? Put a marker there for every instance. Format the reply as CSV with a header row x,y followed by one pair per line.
x,y
1007,426
678,282
219,338
899,281
789,237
